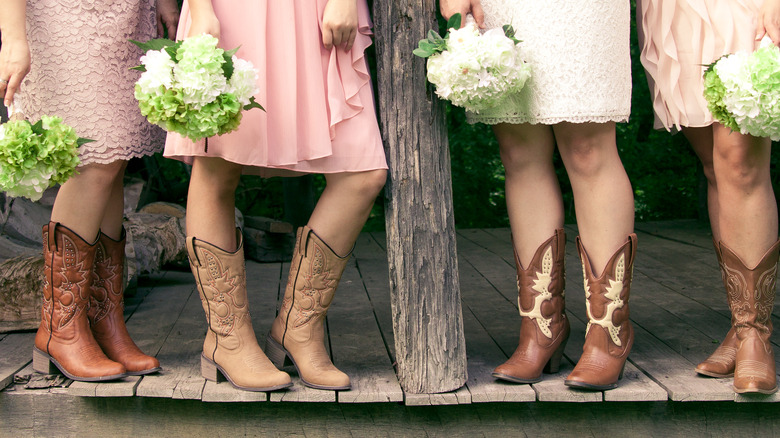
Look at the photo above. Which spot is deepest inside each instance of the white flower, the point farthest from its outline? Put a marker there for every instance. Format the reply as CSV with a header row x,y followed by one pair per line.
x,y
159,71
243,82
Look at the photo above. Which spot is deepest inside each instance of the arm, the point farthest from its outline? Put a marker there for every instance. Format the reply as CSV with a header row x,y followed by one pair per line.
x,y
14,52
448,8
167,18
339,23
769,21
204,20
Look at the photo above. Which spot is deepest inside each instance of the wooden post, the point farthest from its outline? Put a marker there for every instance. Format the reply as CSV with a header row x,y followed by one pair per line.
x,y
427,319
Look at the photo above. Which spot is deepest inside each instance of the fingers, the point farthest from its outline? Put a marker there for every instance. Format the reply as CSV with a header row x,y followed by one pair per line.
x,y
479,15
327,38
10,89
160,27
339,37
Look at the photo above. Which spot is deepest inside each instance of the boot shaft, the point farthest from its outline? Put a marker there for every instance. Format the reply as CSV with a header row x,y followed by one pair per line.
x,y
541,285
107,293
68,261
607,296
315,273
750,291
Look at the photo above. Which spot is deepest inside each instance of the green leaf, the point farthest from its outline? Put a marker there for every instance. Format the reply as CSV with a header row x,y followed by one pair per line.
x,y
454,22
509,31
155,44
140,68
253,104
80,141
422,53
38,127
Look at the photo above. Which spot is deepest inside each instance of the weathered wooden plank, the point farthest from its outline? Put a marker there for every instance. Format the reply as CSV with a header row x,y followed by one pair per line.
x,y
15,354
459,396
427,317
371,258
357,346
225,392
179,354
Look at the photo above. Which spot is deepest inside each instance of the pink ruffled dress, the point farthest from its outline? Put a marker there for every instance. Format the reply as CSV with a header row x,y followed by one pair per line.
x,y
319,103
679,38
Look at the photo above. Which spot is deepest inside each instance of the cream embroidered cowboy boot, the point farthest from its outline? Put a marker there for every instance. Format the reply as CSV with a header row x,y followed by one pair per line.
x,y
544,328
64,338
722,361
106,315
297,333
609,335
230,349
751,294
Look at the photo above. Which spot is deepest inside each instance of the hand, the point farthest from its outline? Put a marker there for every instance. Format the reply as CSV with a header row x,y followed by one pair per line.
x,y
448,8
339,24
167,18
769,21
204,20
14,66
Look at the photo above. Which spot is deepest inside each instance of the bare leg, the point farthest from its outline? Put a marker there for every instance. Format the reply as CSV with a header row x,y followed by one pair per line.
x,y
211,202
702,144
83,201
748,209
533,195
603,198
344,206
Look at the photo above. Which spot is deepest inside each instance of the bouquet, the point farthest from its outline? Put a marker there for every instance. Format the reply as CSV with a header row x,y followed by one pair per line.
x,y
743,91
193,87
472,70
34,157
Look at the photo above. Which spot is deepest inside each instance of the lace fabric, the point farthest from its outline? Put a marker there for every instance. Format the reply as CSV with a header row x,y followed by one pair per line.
x,y
80,71
579,54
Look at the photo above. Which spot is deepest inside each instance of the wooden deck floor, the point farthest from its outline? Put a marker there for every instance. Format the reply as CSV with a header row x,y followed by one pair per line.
x,y
678,308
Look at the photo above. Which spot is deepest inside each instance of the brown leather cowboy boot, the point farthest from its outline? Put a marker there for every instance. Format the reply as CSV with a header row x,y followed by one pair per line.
x,y
106,309
230,349
544,328
609,335
722,361
64,338
297,332
751,294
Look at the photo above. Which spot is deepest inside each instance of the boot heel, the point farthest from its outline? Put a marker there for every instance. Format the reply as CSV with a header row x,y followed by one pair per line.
x,y
276,353
620,376
209,370
554,364
42,363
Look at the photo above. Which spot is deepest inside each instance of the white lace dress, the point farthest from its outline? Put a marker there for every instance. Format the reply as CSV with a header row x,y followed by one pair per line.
x,y
80,71
579,54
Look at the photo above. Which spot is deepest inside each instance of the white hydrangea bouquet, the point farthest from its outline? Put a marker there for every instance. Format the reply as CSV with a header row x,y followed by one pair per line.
x,y
36,156
194,87
473,70
743,91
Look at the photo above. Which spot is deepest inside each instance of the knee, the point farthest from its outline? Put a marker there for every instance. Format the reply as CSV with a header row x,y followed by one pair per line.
x,y
373,182
585,155
739,170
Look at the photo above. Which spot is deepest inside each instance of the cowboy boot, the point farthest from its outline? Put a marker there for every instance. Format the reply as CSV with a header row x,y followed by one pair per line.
x,y
297,333
106,315
609,334
230,349
544,328
722,361
751,294
64,338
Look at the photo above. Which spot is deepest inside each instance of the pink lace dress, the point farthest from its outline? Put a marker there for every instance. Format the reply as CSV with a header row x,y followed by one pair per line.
x,y
80,71
320,108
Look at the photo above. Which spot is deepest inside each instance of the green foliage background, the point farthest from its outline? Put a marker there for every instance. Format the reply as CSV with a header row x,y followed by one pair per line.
x,y
663,170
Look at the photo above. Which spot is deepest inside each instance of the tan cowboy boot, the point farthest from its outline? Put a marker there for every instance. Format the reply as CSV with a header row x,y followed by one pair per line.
x,y
230,349
751,294
64,338
544,328
609,335
106,309
297,333
722,361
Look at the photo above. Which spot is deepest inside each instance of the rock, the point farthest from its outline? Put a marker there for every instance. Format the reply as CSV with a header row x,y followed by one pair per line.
x,y
21,282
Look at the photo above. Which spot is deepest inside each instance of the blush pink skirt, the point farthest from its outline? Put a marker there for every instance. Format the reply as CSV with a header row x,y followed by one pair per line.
x,y
679,38
319,103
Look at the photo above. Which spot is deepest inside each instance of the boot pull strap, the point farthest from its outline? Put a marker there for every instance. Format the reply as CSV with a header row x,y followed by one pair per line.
x,y
52,241
190,242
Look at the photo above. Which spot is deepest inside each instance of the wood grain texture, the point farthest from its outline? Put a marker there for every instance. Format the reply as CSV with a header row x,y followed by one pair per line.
x,y
427,318
15,354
